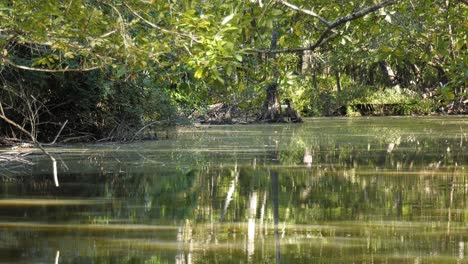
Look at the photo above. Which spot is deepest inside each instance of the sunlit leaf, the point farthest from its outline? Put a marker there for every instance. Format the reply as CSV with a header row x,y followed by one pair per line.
x,y
198,73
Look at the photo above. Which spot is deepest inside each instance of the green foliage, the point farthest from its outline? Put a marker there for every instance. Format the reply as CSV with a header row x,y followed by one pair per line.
x,y
153,59
418,106
351,111
372,95
446,94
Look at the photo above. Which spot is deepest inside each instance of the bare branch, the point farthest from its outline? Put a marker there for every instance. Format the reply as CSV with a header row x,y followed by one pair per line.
x,y
58,134
108,33
36,143
127,40
13,123
305,11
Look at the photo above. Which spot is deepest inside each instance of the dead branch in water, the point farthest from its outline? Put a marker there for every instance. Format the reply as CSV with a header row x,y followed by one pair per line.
x,y
35,141
142,129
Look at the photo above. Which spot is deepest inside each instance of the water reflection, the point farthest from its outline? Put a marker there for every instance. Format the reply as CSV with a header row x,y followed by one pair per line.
x,y
274,191
249,194
251,225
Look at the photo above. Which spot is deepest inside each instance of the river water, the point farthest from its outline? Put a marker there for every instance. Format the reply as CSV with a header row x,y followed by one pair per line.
x,y
361,190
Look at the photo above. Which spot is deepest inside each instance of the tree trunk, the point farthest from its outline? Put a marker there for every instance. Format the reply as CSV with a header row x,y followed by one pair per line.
x,y
449,31
370,76
416,73
338,82
300,62
272,108
314,81
388,73
404,73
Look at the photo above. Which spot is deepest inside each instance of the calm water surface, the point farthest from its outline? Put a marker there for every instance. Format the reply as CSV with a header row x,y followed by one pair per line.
x,y
367,190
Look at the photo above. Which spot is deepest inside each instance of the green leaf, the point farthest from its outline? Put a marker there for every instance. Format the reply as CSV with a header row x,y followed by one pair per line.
x,y
388,19
386,49
198,73
276,12
219,78
120,72
69,55
238,57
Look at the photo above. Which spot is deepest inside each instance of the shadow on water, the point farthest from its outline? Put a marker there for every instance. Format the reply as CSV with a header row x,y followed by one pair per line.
x,y
326,191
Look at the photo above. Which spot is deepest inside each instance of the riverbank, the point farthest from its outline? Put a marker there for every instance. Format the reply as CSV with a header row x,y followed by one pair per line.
x,y
220,114
225,114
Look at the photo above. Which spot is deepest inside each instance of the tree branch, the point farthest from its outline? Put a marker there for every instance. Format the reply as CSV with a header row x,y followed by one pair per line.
x,y
127,40
9,62
58,134
305,11
160,28
325,36
37,143
143,128
353,16
13,123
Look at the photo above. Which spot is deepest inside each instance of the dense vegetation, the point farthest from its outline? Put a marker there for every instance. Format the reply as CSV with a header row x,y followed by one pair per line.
x,y
111,67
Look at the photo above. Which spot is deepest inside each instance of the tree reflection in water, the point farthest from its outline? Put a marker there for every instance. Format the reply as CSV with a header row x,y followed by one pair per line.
x,y
219,196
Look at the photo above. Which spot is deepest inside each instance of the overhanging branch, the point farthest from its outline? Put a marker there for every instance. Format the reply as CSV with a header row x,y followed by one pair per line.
x,y
325,36
340,21
305,11
163,30
9,62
